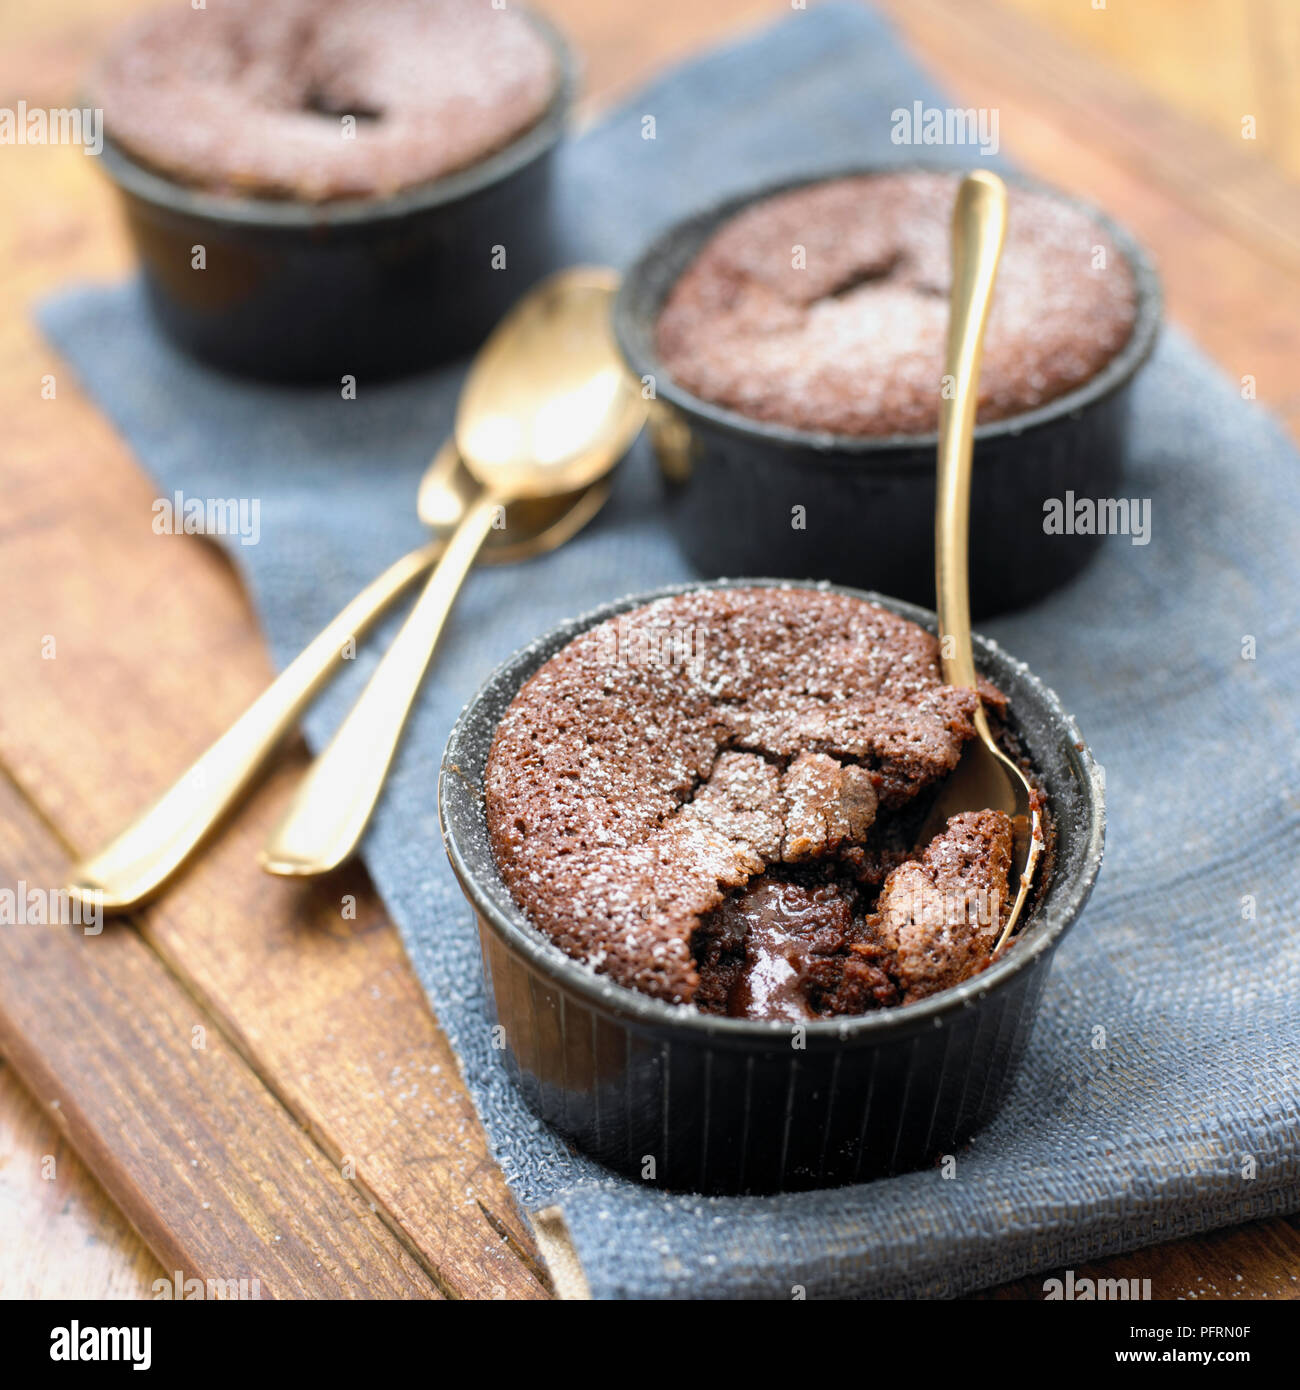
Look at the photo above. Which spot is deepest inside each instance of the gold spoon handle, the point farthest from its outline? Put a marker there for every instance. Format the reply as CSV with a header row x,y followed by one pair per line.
x,y
333,804
159,841
979,222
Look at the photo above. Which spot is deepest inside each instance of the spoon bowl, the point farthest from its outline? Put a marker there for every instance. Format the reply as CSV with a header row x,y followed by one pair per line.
x,y
548,394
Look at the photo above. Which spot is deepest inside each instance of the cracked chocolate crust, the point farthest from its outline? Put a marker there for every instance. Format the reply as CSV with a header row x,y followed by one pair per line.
x,y
249,96
671,757
825,308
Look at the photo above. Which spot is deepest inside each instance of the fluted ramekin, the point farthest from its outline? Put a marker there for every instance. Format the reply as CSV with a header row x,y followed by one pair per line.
x,y
694,1102
734,482
302,291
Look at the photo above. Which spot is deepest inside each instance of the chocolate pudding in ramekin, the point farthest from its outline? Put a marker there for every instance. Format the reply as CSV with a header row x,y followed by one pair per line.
x,y
328,187
793,339
719,952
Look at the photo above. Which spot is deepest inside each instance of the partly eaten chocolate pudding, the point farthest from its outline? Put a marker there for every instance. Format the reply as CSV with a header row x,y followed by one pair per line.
x,y
322,99
826,308
716,799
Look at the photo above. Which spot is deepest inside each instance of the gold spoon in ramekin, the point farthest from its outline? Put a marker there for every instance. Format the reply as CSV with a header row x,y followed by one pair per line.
x,y
985,778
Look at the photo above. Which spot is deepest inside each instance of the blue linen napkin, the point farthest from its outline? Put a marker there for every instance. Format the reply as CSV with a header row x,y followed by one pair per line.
x,y
1180,658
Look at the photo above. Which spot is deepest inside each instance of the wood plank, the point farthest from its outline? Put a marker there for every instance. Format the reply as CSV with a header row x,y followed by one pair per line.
x,y
1212,60
1258,1260
64,1236
202,1158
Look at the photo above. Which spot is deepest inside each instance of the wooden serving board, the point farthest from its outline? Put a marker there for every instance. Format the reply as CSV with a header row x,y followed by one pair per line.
x,y
252,1080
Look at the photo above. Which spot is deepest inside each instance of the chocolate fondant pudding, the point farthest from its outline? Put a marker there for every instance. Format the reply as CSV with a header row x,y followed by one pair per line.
x,y
715,800
826,308
320,99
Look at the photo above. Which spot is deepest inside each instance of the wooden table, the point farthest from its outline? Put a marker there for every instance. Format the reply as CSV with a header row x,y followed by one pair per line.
x,y
242,1083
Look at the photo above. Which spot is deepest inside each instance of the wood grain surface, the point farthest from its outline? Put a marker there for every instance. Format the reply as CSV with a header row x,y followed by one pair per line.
x,y
320,1138
63,1237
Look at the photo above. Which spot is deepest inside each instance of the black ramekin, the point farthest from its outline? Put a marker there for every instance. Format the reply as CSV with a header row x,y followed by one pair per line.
x,y
733,482
693,1102
298,291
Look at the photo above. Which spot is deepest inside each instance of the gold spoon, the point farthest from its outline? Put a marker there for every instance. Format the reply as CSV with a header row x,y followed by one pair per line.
x,y
547,410
985,778
155,845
